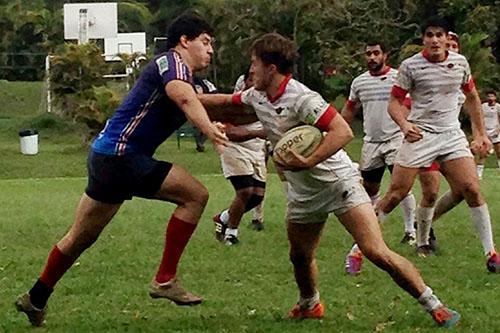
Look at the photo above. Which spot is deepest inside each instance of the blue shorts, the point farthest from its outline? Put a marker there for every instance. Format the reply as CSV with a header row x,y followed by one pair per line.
x,y
114,179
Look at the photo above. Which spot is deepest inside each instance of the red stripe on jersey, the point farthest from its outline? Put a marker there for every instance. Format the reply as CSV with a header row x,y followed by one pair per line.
x,y
350,104
324,121
281,89
469,86
399,93
236,99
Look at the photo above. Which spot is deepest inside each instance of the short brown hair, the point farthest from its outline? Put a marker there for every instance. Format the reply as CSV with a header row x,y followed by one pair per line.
x,y
273,48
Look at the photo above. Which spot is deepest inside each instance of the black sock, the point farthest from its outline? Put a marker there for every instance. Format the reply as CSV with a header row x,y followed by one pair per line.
x,y
39,294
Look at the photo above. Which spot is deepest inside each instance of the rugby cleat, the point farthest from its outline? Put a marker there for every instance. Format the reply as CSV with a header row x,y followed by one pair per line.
x,y
35,316
445,317
317,312
257,225
409,238
220,228
424,251
173,291
231,240
353,262
433,243
493,263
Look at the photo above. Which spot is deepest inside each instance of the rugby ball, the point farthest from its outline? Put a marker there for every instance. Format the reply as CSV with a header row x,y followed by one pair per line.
x,y
302,139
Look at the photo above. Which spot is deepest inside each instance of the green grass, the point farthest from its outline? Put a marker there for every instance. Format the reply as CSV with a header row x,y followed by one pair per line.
x,y
247,288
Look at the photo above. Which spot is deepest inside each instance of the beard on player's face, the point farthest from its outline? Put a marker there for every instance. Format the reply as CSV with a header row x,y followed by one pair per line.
x,y
375,66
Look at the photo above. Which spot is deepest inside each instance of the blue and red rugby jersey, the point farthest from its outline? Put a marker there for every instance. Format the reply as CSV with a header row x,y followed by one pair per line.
x,y
147,116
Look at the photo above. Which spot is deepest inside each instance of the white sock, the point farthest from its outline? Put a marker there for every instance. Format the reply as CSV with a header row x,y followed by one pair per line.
x,y
375,199
381,216
408,206
230,231
310,302
428,300
481,220
424,222
444,204
498,163
258,213
480,169
224,216
354,249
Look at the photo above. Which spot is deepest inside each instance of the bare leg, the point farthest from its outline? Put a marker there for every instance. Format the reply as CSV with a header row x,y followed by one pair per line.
x,y
304,239
362,224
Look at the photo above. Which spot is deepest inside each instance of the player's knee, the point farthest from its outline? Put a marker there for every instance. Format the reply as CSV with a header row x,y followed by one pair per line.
x,y
472,193
429,198
253,201
200,196
380,256
301,258
245,194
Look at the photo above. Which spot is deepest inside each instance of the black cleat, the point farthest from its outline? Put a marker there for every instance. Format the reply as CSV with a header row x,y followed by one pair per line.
x,y
231,240
257,225
424,251
409,238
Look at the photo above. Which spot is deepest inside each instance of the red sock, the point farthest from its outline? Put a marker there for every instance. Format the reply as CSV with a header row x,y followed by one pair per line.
x,y
57,264
178,234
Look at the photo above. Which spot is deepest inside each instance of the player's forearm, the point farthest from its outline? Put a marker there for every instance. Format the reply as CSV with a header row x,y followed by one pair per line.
x,y
339,134
473,107
347,113
220,107
398,111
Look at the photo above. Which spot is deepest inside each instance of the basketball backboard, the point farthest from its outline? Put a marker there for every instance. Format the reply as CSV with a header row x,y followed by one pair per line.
x,y
84,21
128,43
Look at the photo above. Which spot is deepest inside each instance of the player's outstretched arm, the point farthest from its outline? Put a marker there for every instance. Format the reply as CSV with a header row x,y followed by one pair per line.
x,y
220,107
184,97
481,144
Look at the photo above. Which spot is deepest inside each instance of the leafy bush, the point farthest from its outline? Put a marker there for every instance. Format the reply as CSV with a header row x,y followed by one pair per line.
x,y
79,88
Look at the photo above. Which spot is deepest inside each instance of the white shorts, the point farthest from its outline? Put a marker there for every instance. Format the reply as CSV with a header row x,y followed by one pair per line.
x,y
237,163
337,197
375,155
432,147
494,137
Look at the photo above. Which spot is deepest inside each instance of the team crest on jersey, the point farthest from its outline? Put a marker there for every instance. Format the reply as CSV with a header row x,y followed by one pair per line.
x,y
279,110
162,63
450,66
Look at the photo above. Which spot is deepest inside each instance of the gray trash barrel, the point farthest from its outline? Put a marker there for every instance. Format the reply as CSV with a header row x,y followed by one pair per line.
x,y
29,141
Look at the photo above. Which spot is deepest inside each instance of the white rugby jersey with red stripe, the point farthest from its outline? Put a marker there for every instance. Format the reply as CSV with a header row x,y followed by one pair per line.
x,y
294,105
373,92
435,89
491,118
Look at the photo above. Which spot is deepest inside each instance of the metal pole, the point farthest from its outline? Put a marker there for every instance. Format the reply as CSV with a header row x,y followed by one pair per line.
x,y
83,26
47,82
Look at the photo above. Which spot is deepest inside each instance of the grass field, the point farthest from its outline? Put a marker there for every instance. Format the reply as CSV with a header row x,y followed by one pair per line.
x,y
247,288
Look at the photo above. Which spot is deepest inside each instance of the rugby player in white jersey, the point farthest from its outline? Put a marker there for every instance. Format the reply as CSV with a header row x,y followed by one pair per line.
x,y
243,161
491,112
430,179
435,78
382,139
325,182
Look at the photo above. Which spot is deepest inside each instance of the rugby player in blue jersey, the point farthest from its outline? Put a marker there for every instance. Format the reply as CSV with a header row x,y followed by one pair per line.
x,y
121,166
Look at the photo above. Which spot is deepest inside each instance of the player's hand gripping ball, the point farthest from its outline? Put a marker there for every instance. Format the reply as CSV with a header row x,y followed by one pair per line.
x,y
302,139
